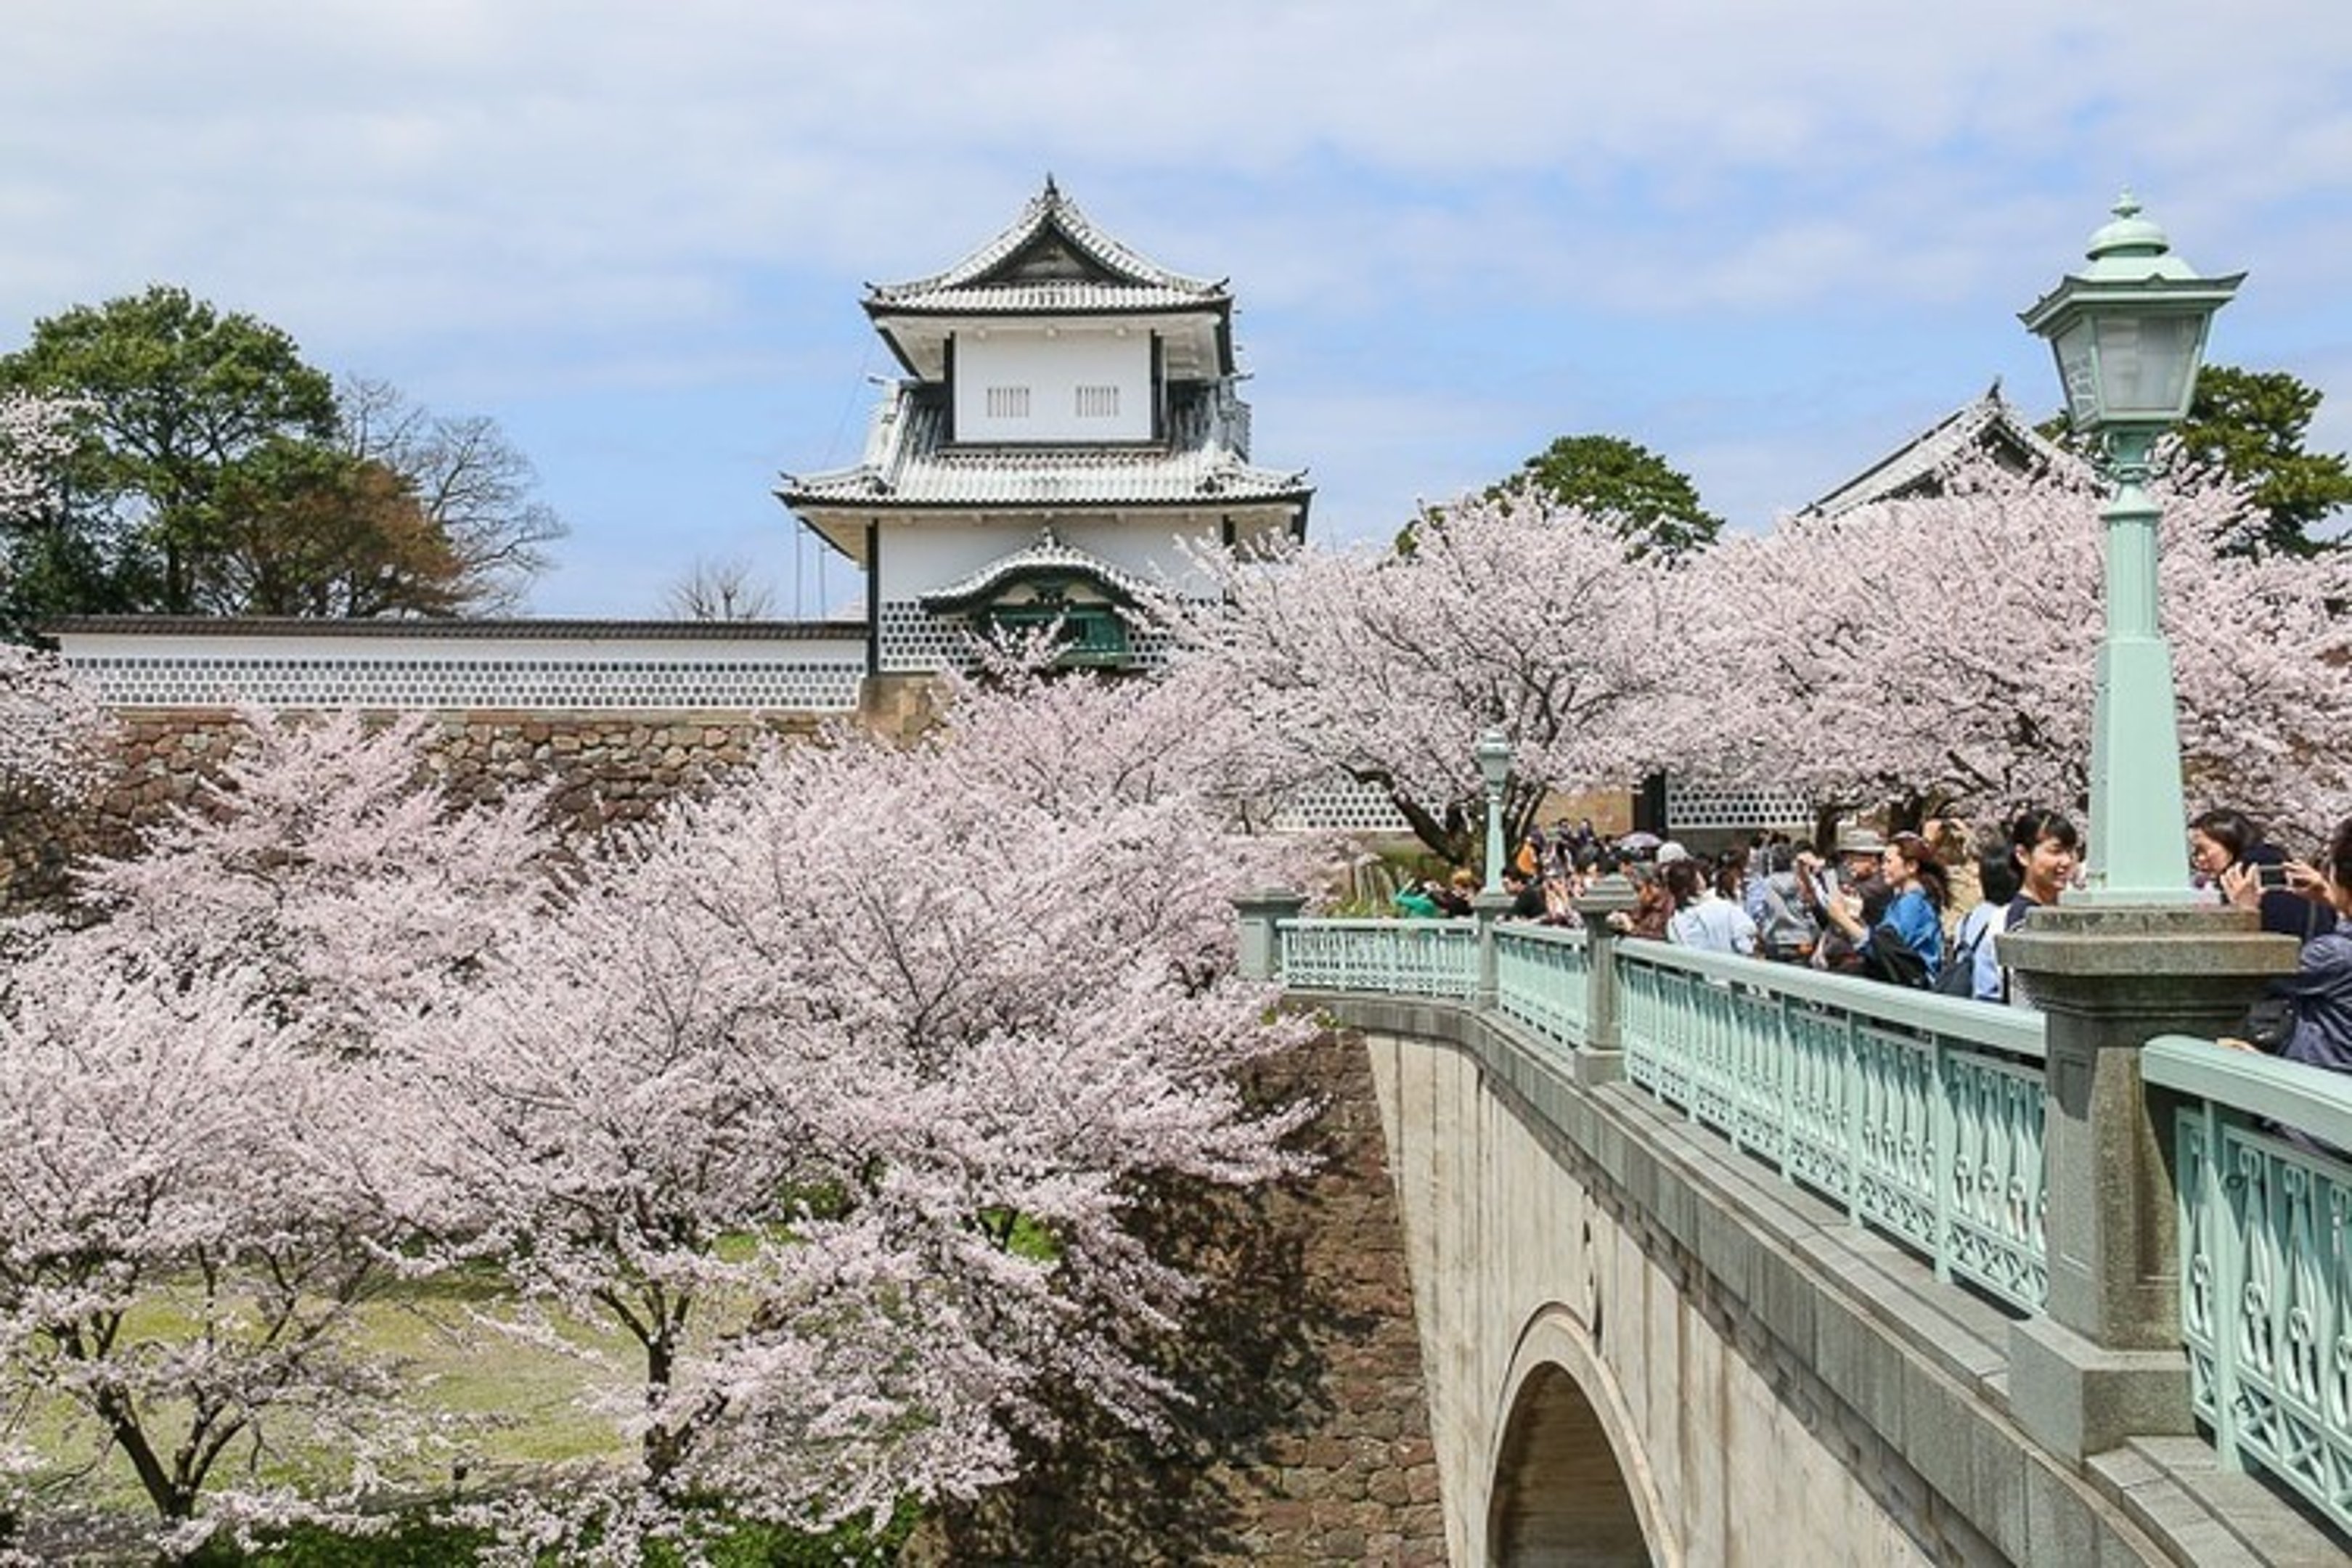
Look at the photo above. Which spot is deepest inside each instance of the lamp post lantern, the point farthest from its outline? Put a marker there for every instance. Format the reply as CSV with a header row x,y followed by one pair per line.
x,y
2127,332
1494,754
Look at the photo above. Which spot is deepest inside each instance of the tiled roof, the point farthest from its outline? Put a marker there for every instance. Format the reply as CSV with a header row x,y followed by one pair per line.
x,y
1059,297
1052,260
1914,468
1047,555
910,463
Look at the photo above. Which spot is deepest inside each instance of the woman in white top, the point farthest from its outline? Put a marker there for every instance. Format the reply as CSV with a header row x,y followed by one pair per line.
x,y
1703,918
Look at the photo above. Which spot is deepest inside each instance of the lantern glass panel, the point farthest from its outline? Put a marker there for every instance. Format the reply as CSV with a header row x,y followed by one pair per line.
x,y
2144,364
2078,373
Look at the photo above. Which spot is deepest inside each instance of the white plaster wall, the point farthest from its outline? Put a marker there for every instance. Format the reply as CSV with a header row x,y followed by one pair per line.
x,y
1053,362
1505,1248
929,552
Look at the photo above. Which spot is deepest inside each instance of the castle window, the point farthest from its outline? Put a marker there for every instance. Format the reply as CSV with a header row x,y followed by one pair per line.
x,y
1097,402
1008,402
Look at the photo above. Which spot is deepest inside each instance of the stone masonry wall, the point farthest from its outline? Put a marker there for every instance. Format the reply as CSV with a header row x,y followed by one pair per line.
x,y
1307,1439
607,768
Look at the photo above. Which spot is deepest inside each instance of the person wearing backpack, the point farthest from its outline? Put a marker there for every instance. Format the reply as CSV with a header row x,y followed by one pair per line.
x,y
1974,971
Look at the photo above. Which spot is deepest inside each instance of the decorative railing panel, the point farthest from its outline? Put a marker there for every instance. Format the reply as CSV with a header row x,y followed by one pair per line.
x,y
1921,1115
1408,958
2265,1213
1540,976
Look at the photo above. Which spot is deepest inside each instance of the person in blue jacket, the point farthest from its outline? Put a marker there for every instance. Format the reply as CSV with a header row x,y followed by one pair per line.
x,y
1905,944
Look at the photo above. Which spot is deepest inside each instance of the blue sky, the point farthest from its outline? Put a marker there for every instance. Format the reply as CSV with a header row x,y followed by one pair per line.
x,y
1768,240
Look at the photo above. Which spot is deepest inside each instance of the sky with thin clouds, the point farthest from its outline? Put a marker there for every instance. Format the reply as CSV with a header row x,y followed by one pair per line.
x,y
1770,239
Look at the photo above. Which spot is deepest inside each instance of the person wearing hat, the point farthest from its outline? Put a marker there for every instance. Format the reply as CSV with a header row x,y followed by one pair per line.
x,y
1860,853
1844,892
1903,942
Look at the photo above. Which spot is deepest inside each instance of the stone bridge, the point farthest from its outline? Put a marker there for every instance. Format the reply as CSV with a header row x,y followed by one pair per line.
x,y
1716,1261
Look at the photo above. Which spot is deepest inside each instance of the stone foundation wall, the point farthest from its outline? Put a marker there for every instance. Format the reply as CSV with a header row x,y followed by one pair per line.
x,y
607,768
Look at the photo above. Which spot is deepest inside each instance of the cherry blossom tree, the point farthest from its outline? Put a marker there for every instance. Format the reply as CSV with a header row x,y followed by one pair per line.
x,y
210,1168
1177,734
185,1228
836,1093
1941,653
53,554
1508,611
325,854
36,433
52,730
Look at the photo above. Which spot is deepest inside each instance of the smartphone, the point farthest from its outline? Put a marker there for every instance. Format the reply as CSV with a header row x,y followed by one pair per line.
x,y
2270,878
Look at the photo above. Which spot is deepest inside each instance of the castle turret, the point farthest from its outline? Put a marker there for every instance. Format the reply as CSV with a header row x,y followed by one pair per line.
x,y
1068,413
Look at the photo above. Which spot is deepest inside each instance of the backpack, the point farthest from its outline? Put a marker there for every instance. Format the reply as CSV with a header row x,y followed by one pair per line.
x,y
1893,959
1959,977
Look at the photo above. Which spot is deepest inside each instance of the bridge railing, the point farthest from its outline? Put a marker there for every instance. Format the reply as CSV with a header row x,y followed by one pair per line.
x,y
1542,974
2264,1191
1397,958
1921,1115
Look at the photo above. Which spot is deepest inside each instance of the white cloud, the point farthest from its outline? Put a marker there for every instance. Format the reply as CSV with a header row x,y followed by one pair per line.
x,y
542,202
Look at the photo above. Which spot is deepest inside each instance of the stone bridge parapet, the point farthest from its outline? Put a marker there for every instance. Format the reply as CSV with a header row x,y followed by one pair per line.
x,y
1645,1343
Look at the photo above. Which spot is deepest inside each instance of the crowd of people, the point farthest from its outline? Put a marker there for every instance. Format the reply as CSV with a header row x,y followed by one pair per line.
x,y
1924,910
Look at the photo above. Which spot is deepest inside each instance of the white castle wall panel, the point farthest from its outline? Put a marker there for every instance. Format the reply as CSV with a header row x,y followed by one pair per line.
x,y
426,672
921,557
1076,384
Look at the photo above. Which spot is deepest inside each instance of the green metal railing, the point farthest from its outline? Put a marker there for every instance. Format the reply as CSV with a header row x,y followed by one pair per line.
x,y
1921,1115
1924,1117
1397,958
2265,1215
1540,976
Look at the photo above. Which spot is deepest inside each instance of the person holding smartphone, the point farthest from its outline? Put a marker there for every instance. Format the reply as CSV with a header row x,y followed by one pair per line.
x,y
2220,841
2316,1025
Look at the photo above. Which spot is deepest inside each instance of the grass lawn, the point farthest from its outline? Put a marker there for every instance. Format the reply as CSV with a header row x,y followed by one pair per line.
x,y
528,1403
528,1409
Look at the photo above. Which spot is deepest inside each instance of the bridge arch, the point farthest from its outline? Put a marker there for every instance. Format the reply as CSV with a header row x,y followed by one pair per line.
x,y
1569,1485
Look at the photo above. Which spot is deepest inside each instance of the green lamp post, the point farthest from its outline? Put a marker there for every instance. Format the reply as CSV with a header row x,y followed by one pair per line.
x,y
2128,331
1494,754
